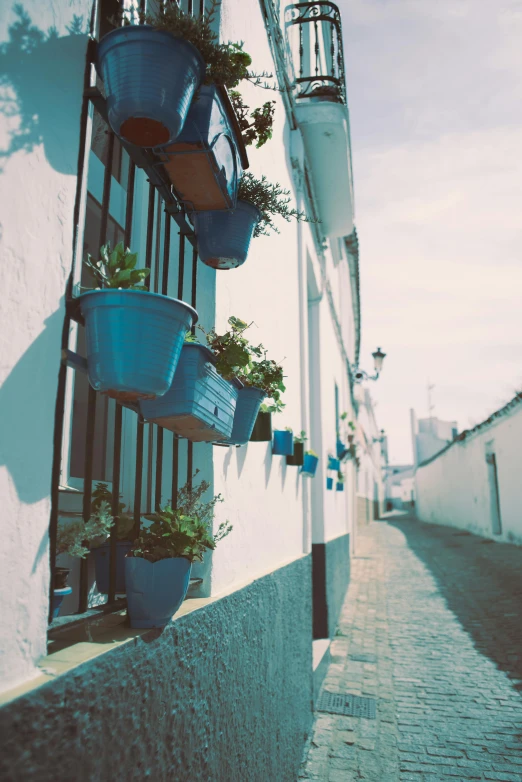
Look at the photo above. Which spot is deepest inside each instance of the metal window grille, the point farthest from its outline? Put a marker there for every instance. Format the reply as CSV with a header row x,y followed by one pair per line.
x,y
314,35
120,163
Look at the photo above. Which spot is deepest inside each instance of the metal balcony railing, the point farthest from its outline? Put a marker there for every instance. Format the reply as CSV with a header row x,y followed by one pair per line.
x,y
314,37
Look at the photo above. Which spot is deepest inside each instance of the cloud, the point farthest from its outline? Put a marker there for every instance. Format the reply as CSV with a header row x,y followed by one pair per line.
x,y
435,101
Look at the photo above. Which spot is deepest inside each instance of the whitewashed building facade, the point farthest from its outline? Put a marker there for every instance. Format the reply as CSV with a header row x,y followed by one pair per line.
x,y
225,691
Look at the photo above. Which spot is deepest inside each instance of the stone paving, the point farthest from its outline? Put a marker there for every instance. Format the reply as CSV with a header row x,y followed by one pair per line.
x,y
437,615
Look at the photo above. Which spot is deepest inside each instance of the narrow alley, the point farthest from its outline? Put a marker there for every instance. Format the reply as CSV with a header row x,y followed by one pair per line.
x,y
430,629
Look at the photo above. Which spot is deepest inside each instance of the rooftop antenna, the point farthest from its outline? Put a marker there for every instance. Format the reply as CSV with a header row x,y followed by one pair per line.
x,y
431,406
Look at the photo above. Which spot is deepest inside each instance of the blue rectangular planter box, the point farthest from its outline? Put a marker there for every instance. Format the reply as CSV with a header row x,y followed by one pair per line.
x,y
200,404
207,159
339,486
283,443
329,484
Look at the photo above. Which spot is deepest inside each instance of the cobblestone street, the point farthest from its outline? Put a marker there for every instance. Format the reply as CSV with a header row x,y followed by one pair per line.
x,y
436,614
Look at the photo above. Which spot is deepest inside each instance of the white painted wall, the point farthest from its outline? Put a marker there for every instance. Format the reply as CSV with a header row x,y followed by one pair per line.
x,y
276,514
454,488
43,90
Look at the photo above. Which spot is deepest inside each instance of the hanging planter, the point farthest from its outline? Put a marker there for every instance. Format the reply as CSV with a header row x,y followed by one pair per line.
x,y
333,464
102,566
262,431
329,484
224,237
339,486
134,340
247,409
311,460
297,459
207,159
200,404
283,444
150,78
155,590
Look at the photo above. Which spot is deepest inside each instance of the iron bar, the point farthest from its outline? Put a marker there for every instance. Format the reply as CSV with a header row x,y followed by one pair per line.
x,y
159,467
116,467
175,472
129,208
190,463
87,488
181,265
59,410
138,479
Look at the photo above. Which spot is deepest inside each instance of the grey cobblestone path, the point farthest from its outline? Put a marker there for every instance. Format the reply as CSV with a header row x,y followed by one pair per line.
x,y
438,615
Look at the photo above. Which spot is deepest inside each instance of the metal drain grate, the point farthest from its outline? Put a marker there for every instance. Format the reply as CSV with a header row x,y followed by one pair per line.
x,y
346,704
363,658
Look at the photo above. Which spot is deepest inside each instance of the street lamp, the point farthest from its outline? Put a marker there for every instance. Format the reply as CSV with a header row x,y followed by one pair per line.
x,y
360,375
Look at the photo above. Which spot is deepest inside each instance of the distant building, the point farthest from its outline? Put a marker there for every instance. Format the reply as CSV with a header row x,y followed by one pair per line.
x,y
429,436
399,486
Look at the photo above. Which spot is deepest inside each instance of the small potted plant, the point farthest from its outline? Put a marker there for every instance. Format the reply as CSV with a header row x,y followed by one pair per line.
x,y
311,460
134,337
224,236
157,569
71,539
262,431
151,71
297,459
329,483
102,550
283,442
333,463
340,481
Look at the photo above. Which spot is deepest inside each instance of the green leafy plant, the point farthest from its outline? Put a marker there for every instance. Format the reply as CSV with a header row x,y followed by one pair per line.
x,y
271,200
116,269
125,520
227,64
256,126
236,357
277,406
184,531
340,477
72,538
301,437
312,453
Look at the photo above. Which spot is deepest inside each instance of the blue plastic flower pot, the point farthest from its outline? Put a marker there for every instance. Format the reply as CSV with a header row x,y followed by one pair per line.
x,y
329,484
339,486
341,449
155,590
224,237
206,161
150,78
309,465
283,443
247,407
101,566
200,404
134,340
58,596
333,464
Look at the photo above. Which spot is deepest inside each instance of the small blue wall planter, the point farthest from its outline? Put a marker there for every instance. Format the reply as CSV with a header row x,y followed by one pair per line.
x,y
101,566
200,404
134,341
333,464
309,465
224,237
329,484
207,159
150,78
283,443
155,590
339,486
58,596
247,407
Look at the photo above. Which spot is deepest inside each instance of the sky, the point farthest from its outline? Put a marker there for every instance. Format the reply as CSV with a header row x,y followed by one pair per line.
x,y
435,99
